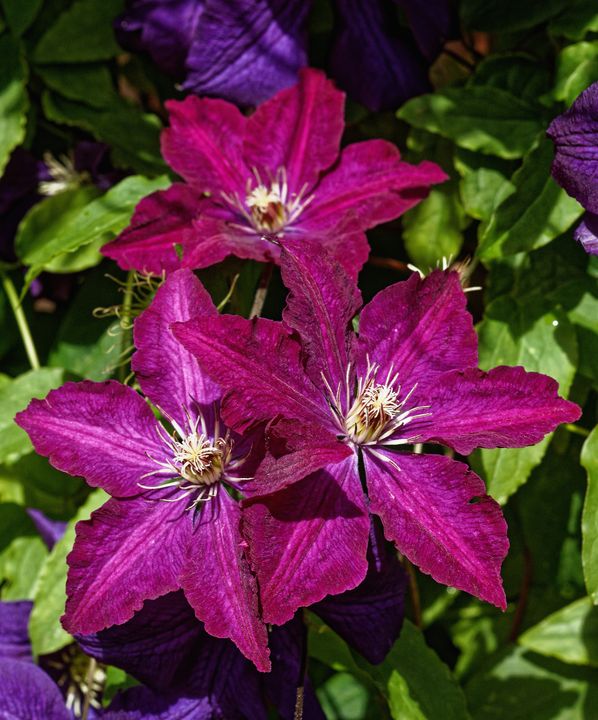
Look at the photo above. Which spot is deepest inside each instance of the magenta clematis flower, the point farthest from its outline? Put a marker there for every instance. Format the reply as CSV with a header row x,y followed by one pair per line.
x,y
409,377
171,523
279,172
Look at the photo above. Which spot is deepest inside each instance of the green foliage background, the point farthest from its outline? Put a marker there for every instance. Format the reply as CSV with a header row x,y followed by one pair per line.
x,y
63,78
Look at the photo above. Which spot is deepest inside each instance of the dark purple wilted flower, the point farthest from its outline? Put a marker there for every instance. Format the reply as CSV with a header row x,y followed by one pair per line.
x,y
158,533
54,690
244,50
575,166
279,172
382,67
409,377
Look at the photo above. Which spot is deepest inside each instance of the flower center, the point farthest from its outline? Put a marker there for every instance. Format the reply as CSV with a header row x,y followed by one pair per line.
x,y
199,461
269,206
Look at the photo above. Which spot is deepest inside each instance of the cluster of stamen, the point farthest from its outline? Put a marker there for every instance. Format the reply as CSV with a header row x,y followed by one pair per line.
x,y
63,173
268,206
81,678
372,412
198,461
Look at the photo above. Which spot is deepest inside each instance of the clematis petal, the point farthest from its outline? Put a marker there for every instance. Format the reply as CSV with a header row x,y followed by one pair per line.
x,y
296,450
575,137
101,431
288,672
432,23
505,407
218,683
153,644
370,616
171,377
203,144
160,221
27,693
321,303
586,233
437,512
298,129
130,551
258,364
247,50
49,530
378,69
372,182
419,327
163,28
14,632
218,583
309,540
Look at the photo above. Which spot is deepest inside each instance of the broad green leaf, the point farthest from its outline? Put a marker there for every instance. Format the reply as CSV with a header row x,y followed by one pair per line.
x,y
82,33
484,119
570,634
517,73
134,136
32,482
521,685
548,344
89,84
49,597
508,15
66,222
589,523
14,397
584,315
484,182
579,18
537,212
13,98
576,69
432,230
86,345
20,14
22,553
343,697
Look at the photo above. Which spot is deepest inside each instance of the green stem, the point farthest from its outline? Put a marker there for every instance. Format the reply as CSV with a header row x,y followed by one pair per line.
x,y
17,309
125,323
577,430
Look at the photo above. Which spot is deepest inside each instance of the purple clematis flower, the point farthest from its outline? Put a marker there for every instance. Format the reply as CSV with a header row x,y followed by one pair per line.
x,y
243,51
171,522
575,166
409,377
278,173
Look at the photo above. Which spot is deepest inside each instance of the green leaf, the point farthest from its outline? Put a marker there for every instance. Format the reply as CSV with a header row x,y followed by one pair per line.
x,y
14,397
484,182
589,522
548,344
520,685
13,98
22,553
484,119
82,33
74,82
134,136
576,69
579,18
49,598
570,634
433,229
508,15
343,697
20,14
517,73
537,212
66,222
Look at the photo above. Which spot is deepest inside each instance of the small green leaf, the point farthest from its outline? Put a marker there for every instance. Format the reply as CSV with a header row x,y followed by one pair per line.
x,y
576,69
14,397
20,14
70,220
89,84
433,229
49,598
589,522
508,15
537,212
578,19
343,697
13,98
570,634
484,119
517,73
82,33
22,553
